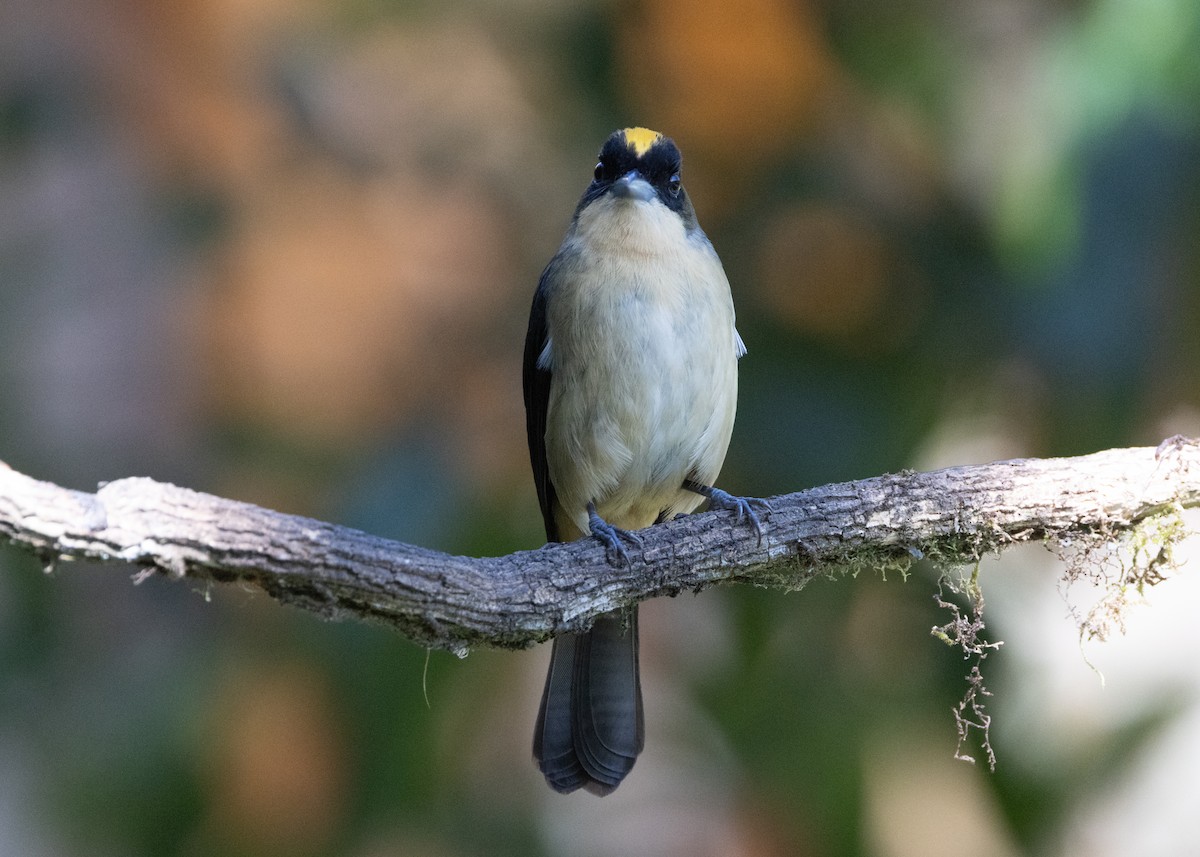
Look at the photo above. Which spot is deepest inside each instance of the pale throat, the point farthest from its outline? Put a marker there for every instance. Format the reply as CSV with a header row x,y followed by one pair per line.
x,y
632,227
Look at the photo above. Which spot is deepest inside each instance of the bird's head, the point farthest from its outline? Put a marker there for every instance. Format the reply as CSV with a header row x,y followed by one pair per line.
x,y
637,177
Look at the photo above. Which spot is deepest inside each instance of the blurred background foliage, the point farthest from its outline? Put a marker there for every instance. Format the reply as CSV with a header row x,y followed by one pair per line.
x,y
284,252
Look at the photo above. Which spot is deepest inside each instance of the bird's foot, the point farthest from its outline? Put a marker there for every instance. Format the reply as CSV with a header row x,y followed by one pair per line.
x,y
611,537
745,508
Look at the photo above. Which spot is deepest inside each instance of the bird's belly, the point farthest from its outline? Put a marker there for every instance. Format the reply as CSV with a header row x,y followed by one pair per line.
x,y
646,400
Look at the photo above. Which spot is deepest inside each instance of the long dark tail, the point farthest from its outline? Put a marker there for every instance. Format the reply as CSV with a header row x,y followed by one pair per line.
x,y
590,727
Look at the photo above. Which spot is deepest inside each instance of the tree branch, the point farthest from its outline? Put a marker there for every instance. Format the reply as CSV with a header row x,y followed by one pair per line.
x,y
954,516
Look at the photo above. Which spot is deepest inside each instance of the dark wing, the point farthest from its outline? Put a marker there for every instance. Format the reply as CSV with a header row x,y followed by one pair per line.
x,y
536,382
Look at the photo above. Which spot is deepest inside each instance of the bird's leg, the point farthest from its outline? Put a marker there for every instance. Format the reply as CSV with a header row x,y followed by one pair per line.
x,y
743,507
611,536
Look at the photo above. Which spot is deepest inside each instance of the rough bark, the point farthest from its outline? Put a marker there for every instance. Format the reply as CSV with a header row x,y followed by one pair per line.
x,y
954,515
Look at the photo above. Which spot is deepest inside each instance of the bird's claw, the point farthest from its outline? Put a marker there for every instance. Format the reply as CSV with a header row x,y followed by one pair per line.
x,y
611,537
742,507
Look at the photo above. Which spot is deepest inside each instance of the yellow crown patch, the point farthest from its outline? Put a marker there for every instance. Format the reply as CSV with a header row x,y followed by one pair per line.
x,y
641,139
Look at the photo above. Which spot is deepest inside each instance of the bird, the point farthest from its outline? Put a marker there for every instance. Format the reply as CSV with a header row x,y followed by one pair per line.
x,y
630,386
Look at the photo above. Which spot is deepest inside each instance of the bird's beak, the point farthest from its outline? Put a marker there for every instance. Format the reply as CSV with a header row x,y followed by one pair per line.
x,y
633,186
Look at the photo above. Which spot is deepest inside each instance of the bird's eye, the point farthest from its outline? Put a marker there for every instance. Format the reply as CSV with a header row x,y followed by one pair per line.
x,y
673,185
599,173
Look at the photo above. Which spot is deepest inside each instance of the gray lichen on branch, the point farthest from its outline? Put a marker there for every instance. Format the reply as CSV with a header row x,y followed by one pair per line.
x,y
965,630
1119,569
953,517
